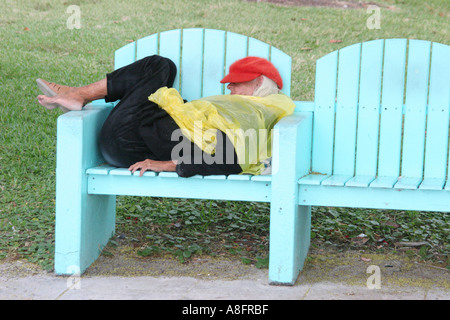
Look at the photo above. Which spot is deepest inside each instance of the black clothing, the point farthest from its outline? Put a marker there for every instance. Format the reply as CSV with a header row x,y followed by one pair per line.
x,y
138,129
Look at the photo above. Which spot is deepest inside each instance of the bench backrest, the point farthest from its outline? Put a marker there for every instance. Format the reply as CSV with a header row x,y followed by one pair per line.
x,y
382,109
202,57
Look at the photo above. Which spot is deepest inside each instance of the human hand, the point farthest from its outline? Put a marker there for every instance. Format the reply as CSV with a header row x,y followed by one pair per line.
x,y
153,165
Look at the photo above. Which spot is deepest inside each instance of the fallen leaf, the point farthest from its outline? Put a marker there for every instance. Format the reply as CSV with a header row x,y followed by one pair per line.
x,y
334,41
305,49
366,259
26,29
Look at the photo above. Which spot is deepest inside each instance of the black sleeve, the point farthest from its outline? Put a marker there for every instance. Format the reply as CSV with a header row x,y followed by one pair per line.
x,y
223,162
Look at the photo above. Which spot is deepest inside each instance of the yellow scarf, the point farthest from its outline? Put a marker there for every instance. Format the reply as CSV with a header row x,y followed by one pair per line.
x,y
246,120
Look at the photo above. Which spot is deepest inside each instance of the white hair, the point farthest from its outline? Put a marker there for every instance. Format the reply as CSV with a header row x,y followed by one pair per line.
x,y
267,87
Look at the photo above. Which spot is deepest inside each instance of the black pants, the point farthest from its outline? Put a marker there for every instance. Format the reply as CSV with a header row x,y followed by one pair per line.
x,y
135,118
138,129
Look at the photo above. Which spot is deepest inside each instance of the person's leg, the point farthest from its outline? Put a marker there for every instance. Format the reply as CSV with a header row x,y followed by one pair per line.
x,y
133,83
137,81
121,140
73,98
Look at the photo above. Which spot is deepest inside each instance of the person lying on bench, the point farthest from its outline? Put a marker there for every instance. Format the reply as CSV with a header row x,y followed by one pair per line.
x,y
153,128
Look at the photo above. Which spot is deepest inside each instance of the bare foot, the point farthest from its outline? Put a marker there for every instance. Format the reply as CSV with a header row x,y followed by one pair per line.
x,y
68,99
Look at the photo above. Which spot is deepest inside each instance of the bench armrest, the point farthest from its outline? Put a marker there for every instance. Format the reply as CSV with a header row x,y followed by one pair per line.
x,y
292,147
77,138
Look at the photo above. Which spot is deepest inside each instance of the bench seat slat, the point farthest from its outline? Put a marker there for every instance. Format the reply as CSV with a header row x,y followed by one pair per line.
x,y
100,170
314,179
408,183
243,177
337,180
106,169
370,181
120,172
384,182
360,181
432,184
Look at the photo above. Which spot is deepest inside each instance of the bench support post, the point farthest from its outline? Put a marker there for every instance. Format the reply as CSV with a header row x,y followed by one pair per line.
x,y
84,223
290,224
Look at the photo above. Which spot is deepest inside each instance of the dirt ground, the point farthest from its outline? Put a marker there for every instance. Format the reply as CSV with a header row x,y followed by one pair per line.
x,y
320,3
324,264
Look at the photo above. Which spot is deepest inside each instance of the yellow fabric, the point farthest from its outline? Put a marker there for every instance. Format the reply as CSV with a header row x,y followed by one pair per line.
x,y
246,120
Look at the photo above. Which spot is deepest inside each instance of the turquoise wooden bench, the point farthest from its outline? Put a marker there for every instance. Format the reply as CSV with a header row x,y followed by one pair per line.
x,y
376,136
86,190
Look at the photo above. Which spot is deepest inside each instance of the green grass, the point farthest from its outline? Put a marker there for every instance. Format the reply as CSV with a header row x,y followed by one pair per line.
x,y
36,43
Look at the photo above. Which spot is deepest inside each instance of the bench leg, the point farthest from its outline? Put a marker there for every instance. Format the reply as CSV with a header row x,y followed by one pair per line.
x,y
82,230
290,234
84,223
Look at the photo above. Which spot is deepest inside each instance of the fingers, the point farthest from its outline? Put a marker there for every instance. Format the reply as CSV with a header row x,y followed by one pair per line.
x,y
153,165
143,166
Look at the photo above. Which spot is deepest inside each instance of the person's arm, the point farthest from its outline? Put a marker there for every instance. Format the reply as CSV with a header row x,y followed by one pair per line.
x,y
153,165
218,164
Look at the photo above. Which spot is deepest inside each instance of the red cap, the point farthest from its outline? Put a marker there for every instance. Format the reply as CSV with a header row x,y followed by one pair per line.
x,y
250,68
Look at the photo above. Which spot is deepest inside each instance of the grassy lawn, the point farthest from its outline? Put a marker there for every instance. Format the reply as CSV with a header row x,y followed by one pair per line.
x,y
36,42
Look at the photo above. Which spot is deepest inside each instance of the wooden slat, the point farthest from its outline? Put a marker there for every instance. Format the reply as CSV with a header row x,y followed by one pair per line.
x,y
384,182
170,47
257,48
391,108
244,177
324,114
191,64
337,180
313,179
437,140
168,174
415,108
346,110
147,46
408,183
283,63
125,55
216,177
146,174
213,64
432,184
236,48
120,172
369,108
360,181
104,170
